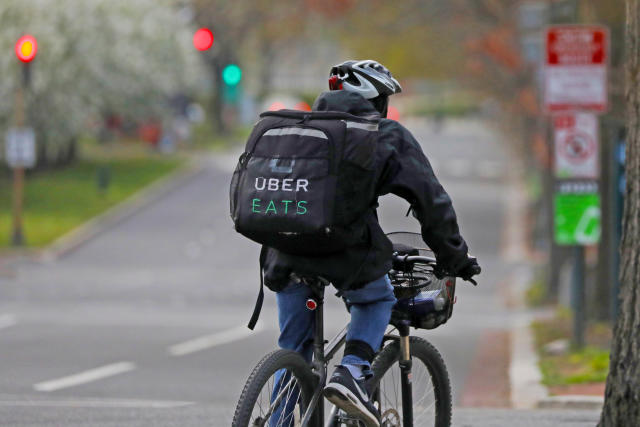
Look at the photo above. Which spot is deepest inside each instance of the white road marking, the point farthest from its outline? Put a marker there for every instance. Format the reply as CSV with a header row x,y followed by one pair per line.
x,y
96,403
7,320
85,377
208,341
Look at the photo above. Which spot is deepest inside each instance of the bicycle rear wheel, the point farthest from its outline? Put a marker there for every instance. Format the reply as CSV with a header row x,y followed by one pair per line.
x,y
430,384
277,393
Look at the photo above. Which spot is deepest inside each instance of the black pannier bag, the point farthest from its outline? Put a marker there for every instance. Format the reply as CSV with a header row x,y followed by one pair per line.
x,y
305,180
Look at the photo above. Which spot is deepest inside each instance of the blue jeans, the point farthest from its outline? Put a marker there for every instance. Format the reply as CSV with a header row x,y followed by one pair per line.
x,y
370,308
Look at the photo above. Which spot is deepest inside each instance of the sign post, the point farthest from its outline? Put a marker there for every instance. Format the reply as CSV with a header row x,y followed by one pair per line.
x,y
575,90
20,141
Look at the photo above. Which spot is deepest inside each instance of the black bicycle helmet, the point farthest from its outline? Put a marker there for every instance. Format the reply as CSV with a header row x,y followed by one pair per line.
x,y
369,78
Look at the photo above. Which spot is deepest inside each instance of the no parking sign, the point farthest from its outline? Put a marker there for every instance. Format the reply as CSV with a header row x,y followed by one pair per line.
x,y
576,145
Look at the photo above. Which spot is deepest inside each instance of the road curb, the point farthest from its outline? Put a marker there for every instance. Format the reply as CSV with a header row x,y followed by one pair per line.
x,y
524,374
527,390
121,211
572,402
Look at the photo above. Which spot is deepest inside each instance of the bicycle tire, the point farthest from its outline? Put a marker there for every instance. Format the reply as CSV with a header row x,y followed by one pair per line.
x,y
265,369
424,351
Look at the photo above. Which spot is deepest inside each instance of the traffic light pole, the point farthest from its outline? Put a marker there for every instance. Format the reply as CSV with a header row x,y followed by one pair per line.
x,y
17,236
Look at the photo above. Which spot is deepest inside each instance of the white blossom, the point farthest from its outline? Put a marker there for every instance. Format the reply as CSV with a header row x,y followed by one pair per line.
x,y
94,56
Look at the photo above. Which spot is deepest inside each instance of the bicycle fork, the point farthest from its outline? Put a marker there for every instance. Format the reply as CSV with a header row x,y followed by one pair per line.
x,y
405,375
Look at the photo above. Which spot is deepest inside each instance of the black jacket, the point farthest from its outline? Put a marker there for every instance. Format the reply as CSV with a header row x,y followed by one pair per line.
x,y
402,169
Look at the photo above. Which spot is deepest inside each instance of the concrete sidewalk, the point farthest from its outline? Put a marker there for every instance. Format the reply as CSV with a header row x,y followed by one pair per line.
x,y
464,417
527,390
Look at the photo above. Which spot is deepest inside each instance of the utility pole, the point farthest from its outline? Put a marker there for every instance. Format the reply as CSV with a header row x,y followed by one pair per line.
x,y
17,235
20,144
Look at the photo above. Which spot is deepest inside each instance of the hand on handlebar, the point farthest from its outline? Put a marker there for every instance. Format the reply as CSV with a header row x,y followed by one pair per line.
x,y
466,273
471,269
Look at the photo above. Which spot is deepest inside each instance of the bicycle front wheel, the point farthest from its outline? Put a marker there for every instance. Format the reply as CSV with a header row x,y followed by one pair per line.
x,y
431,388
277,392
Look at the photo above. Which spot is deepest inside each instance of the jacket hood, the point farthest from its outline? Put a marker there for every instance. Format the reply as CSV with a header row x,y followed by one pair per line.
x,y
346,102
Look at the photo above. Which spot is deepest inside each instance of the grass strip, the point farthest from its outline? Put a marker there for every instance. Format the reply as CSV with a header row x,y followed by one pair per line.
x,y
56,201
575,366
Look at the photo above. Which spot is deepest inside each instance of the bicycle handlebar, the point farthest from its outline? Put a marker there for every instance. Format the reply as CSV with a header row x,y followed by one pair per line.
x,y
415,258
432,262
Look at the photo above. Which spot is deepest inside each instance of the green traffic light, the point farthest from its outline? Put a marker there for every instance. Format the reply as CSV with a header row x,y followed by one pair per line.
x,y
232,74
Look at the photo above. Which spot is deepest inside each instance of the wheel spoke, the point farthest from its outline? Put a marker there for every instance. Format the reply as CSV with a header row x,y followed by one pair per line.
x,y
277,401
425,396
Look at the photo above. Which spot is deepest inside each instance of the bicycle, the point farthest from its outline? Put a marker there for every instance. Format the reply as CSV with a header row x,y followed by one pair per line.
x,y
285,390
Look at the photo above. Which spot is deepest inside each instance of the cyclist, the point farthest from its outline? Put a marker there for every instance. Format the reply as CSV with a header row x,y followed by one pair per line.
x,y
363,88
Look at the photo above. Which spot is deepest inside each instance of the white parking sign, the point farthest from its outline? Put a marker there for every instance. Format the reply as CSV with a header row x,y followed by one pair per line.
x,y
20,148
576,145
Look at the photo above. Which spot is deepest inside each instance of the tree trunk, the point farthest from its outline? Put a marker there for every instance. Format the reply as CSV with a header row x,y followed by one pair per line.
x,y
622,395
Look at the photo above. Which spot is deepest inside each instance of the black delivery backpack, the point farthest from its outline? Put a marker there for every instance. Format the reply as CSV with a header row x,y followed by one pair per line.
x,y
305,180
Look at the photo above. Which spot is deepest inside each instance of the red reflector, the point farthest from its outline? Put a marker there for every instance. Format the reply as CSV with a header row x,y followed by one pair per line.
x,y
335,83
311,304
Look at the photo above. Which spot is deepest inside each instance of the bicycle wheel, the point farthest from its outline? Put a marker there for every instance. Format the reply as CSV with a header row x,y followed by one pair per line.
x,y
430,385
277,393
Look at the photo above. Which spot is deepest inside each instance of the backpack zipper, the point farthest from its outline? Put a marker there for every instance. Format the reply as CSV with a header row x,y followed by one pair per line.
x,y
332,160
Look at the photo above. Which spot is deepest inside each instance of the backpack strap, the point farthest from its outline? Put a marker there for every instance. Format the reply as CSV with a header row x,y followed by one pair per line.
x,y
260,300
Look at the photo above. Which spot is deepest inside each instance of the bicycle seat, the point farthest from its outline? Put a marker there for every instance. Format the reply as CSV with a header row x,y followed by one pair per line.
x,y
315,282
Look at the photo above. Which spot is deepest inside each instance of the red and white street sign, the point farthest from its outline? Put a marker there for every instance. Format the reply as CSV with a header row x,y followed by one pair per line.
x,y
576,145
576,59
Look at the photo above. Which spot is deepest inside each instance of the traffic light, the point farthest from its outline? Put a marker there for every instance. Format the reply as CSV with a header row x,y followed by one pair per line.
x,y
203,39
26,48
231,75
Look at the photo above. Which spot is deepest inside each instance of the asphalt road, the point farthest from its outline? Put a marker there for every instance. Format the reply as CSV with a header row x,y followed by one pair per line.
x,y
144,324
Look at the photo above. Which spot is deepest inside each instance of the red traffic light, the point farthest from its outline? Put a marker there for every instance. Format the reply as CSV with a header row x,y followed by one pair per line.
x,y
203,39
26,48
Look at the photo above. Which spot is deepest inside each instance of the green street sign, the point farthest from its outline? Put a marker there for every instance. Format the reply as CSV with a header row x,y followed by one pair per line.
x,y
576,218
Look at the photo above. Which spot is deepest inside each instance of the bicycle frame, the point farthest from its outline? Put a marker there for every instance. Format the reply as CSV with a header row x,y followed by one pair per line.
x,y
323,353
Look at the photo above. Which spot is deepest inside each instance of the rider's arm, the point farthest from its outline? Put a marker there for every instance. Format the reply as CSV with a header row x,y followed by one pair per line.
x,y
407,173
